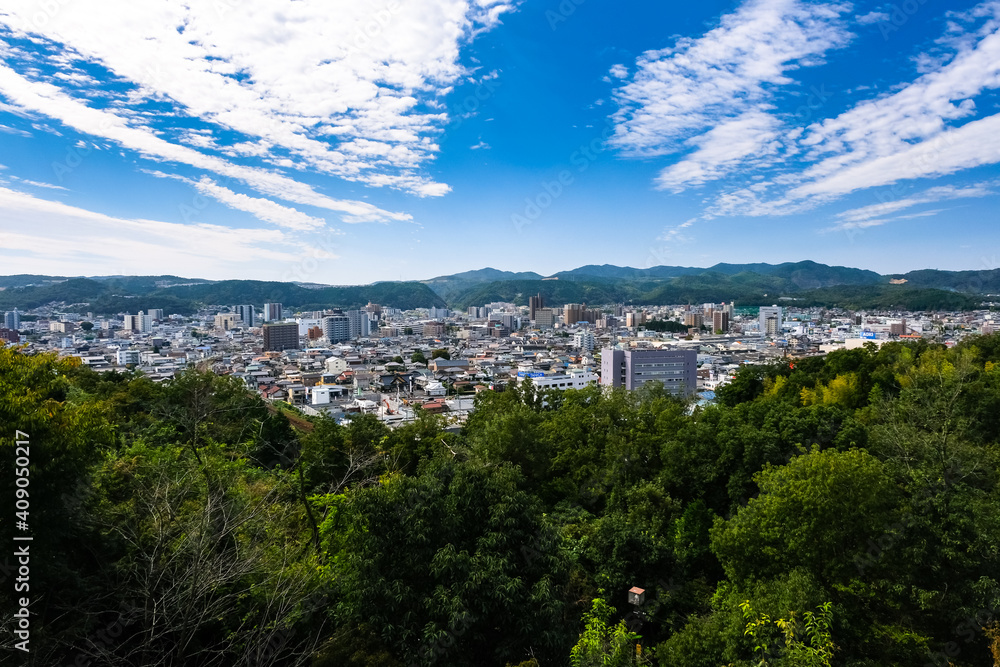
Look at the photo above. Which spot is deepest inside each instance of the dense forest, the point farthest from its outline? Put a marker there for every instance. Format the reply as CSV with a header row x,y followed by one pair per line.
x,y
842,510
132,294
744,288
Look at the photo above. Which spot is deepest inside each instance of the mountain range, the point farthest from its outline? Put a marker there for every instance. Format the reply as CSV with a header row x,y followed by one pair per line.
x,y
804,283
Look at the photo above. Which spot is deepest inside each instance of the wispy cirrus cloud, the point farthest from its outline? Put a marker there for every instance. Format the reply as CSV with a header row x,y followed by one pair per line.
x,y
926,128
876,214
678,92
47,237
751,137
338,88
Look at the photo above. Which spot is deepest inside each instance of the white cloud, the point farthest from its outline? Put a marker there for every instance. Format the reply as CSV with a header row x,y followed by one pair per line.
x,y
872,17
332,86
927,128
43,236
49,100
263,209
875,214
678,92
38,184
753,135
973,145
6,129
618,71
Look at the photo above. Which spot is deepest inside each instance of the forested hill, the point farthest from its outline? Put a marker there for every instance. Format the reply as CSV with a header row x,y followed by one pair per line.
x,y
106,296
797,284
744,288
841,510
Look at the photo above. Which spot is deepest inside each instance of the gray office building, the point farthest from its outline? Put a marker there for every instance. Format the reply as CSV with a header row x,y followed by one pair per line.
x,y
247,315
337,328
676,369
360,323
273,312
12,320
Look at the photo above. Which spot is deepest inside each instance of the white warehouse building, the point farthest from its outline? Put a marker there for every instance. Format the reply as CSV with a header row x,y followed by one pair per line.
x,y
562,382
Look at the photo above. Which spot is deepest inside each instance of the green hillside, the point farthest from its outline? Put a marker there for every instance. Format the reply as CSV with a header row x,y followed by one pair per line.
x,y
115,295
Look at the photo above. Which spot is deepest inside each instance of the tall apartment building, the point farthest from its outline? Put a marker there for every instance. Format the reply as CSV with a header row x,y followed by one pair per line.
x,y
337,328
144,322
247,315
509,320
535,303
12,320
438,313
130,323
156,314
273,312
545,318
769,320
693,320
584,340
360,323
573,313
633,319
720,321
899,328
676,369
281,336
434,329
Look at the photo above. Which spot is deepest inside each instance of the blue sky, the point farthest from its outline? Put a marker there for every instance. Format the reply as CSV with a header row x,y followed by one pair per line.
x,y
330,142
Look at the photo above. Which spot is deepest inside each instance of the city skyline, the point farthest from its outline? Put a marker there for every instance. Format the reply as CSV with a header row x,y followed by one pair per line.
x,y
329,143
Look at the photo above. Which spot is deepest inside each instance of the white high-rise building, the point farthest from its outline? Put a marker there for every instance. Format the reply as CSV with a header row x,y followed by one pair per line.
x,y
144,323
131,323
584,340
769,320
438,313
125,357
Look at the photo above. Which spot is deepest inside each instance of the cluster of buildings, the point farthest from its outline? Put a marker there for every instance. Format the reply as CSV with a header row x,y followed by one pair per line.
x,y
389,362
